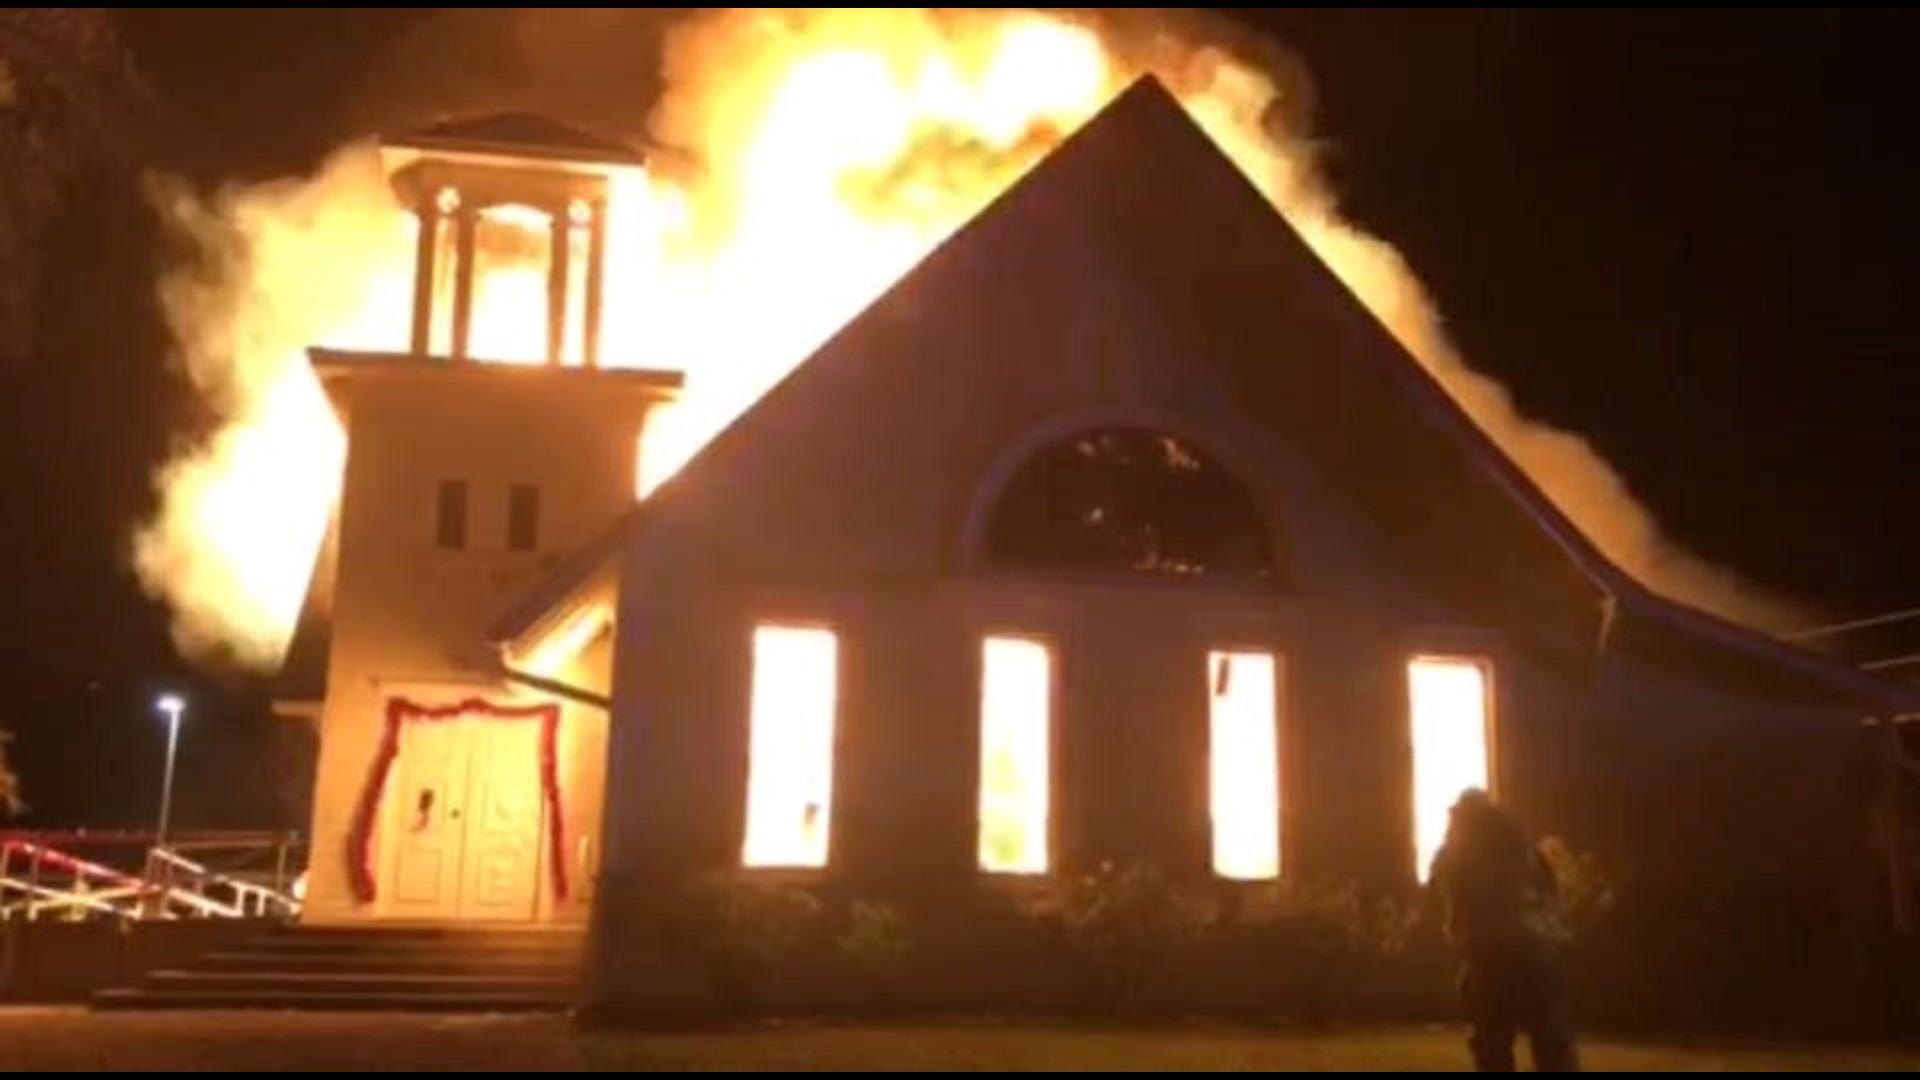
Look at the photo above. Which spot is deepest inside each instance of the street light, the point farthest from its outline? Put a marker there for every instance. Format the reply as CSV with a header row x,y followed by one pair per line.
x,y
171,706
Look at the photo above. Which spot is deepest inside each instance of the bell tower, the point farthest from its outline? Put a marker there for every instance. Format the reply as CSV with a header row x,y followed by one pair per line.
x,y
494,442
510,263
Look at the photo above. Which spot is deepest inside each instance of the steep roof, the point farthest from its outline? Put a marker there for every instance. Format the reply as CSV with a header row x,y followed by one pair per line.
x,y
589,569
1140,209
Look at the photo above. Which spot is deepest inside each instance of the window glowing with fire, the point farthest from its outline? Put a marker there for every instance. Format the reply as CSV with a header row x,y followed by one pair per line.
x,y
1016,734
1244,764
790,762
1452,725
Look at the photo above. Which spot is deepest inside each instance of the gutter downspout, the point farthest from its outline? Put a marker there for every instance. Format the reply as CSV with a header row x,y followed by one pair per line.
x,y
554,686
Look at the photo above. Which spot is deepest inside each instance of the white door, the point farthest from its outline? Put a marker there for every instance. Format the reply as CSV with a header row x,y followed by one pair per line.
x,y
469,821
429,782
505,819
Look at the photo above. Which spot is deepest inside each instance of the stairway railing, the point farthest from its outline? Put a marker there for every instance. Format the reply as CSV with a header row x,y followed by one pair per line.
x,y
226,876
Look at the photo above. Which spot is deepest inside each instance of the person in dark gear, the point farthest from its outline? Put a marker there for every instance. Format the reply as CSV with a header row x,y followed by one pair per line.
x,y
1502,912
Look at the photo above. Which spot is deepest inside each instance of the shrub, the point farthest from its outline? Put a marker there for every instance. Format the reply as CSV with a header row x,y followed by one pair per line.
x,y
739,929
1323,941
876,944
1586,889
1118,927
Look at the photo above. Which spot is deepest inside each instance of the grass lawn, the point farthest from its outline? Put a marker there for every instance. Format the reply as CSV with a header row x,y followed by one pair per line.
x,y
60,1039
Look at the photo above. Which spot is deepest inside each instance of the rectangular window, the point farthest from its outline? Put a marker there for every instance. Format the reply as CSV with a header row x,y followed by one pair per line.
x,y
523,517
1016,735
1244,765
790,750
450,516
1452,724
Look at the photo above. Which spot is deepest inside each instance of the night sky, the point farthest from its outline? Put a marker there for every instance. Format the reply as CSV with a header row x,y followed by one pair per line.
x,y
1690,237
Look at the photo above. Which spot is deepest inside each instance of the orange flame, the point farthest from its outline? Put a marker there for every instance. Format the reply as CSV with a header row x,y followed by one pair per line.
x,y
869,134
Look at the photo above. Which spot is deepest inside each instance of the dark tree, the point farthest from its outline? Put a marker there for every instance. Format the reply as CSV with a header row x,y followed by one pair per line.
x,y
70,104
9,782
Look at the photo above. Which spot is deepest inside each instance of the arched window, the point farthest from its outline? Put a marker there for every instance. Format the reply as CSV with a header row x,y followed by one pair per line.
x,y
1129,500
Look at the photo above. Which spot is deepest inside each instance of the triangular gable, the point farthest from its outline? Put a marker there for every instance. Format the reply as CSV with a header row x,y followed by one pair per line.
x,y
1138,210
1139,226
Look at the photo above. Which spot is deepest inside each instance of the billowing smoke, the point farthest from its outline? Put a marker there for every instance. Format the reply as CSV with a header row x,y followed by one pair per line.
x,y
271,271
777,134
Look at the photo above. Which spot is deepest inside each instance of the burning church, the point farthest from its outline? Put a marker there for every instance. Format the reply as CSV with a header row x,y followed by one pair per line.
x,y
1125,526
1116,531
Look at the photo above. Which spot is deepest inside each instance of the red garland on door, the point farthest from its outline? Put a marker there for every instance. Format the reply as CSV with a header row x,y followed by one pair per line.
x,y
399,712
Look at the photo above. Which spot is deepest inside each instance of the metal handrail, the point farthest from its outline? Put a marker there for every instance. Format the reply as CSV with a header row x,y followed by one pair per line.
x,y
39,879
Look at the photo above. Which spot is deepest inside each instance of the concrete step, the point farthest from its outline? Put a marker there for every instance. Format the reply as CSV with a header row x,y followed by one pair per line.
x,y
375,950
504,932
451,963
393,943
332,1001
357,982
375,968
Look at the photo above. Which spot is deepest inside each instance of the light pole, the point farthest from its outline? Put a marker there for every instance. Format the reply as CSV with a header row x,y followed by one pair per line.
x,y
171,706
